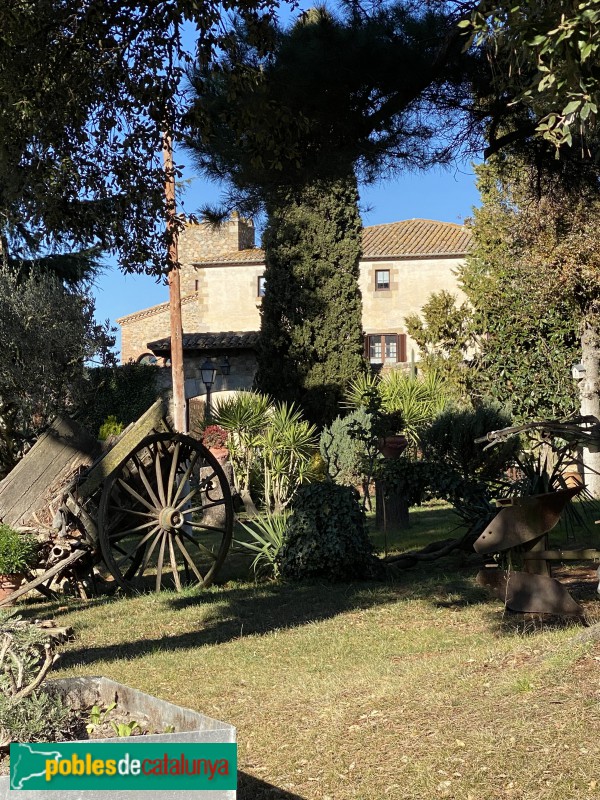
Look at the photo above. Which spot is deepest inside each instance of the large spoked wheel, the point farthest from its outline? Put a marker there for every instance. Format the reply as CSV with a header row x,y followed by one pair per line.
x,y
166,515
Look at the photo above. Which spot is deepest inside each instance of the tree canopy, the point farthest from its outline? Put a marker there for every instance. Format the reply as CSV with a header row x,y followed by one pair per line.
x,y
48,333
311,342
361,91
86,90
527,325
544,59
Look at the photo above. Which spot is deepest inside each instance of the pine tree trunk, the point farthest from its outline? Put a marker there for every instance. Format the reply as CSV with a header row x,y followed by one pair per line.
x,y
589,393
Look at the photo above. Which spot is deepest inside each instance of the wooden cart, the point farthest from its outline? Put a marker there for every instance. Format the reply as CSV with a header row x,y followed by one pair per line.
x,y
153,511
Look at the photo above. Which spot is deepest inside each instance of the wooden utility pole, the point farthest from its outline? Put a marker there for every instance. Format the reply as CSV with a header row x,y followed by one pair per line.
x,y
179,409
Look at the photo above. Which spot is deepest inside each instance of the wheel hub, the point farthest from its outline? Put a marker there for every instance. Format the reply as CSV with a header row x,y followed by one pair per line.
x,y
171,518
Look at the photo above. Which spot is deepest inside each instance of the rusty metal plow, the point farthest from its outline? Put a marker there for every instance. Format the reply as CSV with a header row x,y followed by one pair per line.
x,y
518,535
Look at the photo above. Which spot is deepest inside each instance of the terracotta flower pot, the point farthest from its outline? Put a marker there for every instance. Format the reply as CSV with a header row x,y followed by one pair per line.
x,y
392,446
9,584
220,453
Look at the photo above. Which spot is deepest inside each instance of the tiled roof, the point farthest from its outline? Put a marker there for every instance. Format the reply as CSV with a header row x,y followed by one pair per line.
x,y
409,238
161,308
229,340
416,237
252,255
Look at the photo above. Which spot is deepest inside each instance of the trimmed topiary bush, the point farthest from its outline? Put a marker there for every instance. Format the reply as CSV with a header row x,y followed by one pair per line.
x,y
344,450
327,536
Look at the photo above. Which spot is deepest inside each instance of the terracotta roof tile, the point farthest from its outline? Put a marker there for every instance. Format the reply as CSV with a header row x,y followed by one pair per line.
x,y
227,340
252,255
409,238
416,237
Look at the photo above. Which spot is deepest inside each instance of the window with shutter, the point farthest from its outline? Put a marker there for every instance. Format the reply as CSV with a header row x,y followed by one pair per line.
x,y
385,348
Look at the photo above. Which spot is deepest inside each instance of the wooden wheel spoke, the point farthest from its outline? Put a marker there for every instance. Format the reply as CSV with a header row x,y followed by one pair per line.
x,y
159,478
172,471
199,545
212,504
201,526
150,550
193,509
137,496
174,566
129,531
133,512
165,471
186,475
188,558
159,563
143,541
186,499
146,482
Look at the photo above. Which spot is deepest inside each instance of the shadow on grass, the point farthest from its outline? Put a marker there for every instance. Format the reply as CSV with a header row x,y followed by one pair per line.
x,y
251,788
230,614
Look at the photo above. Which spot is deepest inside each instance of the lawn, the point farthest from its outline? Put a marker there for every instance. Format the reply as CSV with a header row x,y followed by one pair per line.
x,y
413,689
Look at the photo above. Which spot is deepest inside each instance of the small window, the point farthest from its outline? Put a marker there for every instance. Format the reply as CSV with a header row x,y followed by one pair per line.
x,y
382,280
385,348
148,360
196,284
260,287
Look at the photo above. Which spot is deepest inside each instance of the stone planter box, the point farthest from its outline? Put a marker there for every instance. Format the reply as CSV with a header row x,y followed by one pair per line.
x,y
190,726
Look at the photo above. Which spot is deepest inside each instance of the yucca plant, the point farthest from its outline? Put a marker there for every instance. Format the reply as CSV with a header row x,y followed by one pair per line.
x,y
267,532
417,401
288,445
269,443
244,416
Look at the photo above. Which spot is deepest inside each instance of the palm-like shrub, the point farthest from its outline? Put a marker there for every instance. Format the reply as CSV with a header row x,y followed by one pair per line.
x,y
266,532
244,416
271,448
417,401
287,445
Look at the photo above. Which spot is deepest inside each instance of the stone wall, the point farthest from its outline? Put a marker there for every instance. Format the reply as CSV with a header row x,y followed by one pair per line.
x,y
204,242
412,281
154,323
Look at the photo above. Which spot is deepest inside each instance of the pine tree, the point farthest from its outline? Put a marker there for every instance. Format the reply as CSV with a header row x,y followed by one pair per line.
x,y
311,336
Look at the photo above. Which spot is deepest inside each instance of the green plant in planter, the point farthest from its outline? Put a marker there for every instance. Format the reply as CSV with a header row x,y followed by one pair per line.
x,y
18,551
27,712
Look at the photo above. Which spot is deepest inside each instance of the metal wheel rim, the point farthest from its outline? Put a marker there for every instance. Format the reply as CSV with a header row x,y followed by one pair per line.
x,y
153,511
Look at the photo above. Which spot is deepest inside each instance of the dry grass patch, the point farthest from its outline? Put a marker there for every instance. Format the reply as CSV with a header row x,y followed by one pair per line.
x,y
413,690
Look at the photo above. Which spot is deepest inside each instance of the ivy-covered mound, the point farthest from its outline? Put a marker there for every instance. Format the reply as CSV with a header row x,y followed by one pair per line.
x,y
326,536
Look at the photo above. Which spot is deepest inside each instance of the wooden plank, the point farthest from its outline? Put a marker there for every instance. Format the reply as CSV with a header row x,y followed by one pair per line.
x,y
63,448
71,559
152,421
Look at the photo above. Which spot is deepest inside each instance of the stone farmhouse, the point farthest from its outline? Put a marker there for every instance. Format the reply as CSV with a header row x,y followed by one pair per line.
x,y
222,284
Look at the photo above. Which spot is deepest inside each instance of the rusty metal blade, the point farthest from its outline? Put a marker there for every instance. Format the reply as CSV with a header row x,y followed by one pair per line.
x,y
529,594
525,520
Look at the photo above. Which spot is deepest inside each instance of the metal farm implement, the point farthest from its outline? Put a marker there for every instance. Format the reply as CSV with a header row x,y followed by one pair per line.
x,y
154,510
518,534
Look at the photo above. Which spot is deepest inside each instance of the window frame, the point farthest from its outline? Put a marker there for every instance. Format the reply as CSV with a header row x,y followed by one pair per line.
x,y
400,341
260,283
383,288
